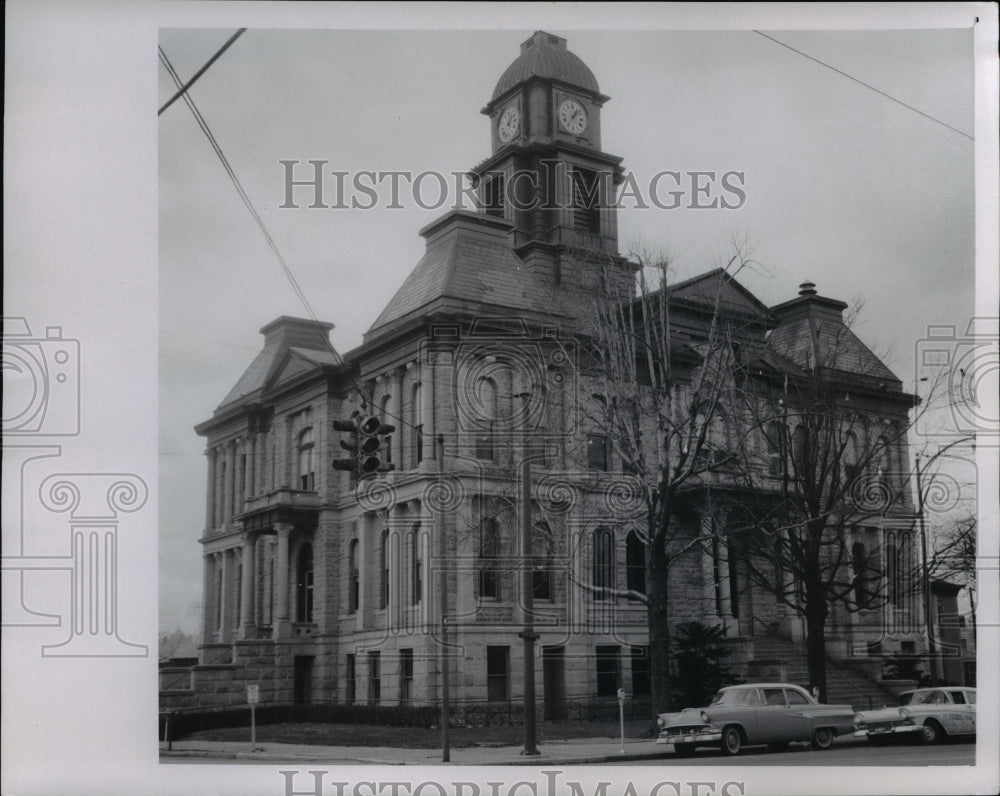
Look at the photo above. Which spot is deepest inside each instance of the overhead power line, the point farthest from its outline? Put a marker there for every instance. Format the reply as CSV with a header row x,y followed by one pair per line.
x,y
201,71
236,184
182,92
866,85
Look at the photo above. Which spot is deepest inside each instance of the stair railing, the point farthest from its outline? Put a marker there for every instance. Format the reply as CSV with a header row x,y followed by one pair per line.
x,y
227,650
851,684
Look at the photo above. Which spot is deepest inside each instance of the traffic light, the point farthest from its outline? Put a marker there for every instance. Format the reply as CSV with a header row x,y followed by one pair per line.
x,y
365,443
350,445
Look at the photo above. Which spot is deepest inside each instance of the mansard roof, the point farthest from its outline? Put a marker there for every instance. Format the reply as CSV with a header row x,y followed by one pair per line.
x,y
469,260
811,333
291,345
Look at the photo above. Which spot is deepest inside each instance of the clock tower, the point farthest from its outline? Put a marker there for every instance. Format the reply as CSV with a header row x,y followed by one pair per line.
x,y
547,173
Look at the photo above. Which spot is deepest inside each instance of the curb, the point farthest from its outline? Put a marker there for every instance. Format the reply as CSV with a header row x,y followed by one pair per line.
x,y
267,757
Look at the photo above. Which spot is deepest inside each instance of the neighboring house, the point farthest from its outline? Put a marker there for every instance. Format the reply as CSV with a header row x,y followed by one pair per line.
x,y
321,588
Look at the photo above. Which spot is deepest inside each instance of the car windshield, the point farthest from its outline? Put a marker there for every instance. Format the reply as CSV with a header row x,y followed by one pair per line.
x,y
737,696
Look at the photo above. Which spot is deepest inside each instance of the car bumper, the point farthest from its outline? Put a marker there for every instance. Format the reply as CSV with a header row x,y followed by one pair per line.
x,y
882,732
701,737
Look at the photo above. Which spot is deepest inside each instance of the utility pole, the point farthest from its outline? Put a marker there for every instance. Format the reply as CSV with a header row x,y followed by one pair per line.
x,y
925,580
443,583
527,601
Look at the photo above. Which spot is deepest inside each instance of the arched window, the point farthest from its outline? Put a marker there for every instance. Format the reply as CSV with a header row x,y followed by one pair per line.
x,y
307,471
850,457
775,441
603,563
800,449
304,584
387,439
486,398
489,551
416,423
416,566
353,577
384,561
892,574
635,563
541,551
859,562
223,507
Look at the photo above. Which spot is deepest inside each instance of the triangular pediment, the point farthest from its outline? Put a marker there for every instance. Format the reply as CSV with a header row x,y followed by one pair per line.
x,y
717,285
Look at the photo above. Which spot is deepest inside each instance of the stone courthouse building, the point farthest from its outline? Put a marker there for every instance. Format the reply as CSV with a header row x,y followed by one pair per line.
x,y
322,587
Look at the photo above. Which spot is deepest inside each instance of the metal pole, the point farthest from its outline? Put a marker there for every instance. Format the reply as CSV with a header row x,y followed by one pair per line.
x,y
442,552
528,603
253,726
925,579
621,718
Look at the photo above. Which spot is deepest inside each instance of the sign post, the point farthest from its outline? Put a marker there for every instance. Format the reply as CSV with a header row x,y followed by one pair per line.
x,y
621,717
253,697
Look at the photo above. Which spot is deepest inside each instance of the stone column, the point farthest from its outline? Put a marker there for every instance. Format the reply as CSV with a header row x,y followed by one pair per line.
x,y
210,454
227,487
282,621
427,405
248,452
208,600
287,455
247,626
396,415
226,607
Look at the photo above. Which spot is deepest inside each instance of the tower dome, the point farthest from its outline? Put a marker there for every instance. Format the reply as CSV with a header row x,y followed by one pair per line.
x,y
545,56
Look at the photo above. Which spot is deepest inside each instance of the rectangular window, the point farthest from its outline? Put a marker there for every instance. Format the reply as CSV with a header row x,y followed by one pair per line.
x,y
405,676
497,674
484,442
608,670
374,678
350,675
640,671
489,550
416,577
597,452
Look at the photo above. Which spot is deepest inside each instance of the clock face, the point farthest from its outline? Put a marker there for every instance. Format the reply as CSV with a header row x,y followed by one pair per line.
x,y
573,117
509,124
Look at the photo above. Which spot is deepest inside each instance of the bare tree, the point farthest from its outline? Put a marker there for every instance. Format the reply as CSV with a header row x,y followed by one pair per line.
x,y
663,366
832,463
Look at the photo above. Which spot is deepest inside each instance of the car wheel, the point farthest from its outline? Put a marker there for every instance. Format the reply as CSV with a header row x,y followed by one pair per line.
x,y
931,733
780,746
822,738
684,749
732,740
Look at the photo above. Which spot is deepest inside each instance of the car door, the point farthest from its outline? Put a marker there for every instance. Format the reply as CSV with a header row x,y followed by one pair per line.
x,y
774,723
961,719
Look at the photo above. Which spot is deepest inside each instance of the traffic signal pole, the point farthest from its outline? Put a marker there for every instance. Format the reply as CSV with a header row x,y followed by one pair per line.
x,y
528,606
443,581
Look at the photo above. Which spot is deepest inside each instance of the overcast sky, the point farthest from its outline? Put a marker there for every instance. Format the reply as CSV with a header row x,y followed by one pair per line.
x,y
844,186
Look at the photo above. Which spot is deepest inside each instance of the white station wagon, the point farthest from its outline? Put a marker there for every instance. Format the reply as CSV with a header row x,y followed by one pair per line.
x,y
755,714
930,714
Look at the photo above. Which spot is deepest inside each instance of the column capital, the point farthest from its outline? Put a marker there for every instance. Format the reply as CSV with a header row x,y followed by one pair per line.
x,y
283,528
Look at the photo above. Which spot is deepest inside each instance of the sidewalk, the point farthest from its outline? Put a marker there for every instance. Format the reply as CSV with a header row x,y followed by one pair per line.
x,y
580,750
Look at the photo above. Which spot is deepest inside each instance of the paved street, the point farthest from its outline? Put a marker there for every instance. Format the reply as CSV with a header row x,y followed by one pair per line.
x,y
844,753
584,751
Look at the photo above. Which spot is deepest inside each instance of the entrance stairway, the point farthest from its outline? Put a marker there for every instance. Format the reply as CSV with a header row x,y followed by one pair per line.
x,y
845,684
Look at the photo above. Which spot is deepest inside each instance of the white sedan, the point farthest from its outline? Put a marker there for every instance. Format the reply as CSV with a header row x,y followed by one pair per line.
x,y
930,714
